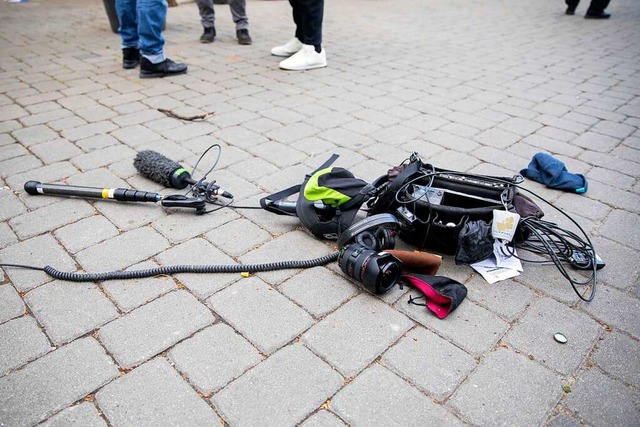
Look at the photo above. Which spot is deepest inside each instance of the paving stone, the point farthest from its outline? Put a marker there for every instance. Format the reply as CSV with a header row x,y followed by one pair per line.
x,y
378,397
599,400
238,237
504,377
318,290
356,334
533,335
621,270
11,304
82,415
34,171
154,394
323,419
103,157
10,204
214,357
615,309
172,226
282,390
470,327
548,280
616,355
429,362
69,310
54,381
22,341
132,293
199,252
616,198
614,129
506,298
34,135
260,314
563,420
596,142
38,251
622,227
86,232
154,327
86,130
55,151
50,217
122,251
295,245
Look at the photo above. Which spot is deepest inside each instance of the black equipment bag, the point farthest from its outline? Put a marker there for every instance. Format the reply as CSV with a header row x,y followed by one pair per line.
x,y
434,205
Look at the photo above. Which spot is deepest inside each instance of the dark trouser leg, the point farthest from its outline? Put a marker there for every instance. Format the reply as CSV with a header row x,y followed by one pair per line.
x,y
297,17
207,14
572,4
310,20
597,6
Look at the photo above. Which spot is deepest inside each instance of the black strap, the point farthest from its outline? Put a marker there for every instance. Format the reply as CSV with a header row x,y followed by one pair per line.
x,y
283,194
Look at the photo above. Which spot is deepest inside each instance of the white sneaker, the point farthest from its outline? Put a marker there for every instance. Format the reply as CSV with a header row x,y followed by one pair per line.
x,y
287,49
305,59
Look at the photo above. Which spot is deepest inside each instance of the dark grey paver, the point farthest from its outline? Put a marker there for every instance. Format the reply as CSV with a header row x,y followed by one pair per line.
x,y
506,298
154,327
617,354
533,335
214,357
379,397
354,335
82,415
504,377
260,313
154,394
600,400
68,310
54,381
282,390
238,237
622,227
429,362
11,304
22,341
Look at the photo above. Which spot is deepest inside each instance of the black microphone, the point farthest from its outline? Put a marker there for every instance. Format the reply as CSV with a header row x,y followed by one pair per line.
x,y
162,170
165,171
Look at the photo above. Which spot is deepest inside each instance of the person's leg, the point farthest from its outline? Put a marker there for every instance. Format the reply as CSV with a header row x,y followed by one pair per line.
x,y
312,13
207,14
127,16
296,11
571,6
239,14
293,45
151,18
598,6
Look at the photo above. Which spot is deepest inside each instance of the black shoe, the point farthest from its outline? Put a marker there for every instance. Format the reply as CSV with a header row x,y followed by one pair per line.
x,y
161,69
243,36
130,57
570,11
209,35
597,15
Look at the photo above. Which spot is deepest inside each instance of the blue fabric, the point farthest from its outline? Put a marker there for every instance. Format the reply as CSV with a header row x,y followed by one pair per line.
x,y
141,24
550,171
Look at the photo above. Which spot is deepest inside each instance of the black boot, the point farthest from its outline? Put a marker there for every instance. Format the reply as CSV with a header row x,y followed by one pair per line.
x,y
209,35
161,69
243,36
130,57
597,14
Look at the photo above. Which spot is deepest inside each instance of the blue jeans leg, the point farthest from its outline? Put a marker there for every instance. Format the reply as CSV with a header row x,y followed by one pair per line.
x,y
127,16
151,18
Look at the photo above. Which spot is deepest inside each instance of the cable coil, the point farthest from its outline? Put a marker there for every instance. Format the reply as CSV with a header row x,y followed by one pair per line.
x,y
185,268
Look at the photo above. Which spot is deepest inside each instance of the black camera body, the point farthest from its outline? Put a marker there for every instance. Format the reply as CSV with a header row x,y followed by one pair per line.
x,y
362,257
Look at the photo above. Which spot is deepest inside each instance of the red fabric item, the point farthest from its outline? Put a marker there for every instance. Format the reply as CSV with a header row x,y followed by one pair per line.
x,y
436,302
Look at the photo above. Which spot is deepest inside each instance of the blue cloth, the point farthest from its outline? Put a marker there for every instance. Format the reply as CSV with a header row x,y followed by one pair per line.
x,y
141,24
550,171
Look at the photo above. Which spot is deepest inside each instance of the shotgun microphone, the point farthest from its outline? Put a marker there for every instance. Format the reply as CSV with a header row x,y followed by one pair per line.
x,y
165,171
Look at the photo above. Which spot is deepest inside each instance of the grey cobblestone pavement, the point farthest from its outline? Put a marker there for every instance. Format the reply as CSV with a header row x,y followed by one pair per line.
x,y
471,85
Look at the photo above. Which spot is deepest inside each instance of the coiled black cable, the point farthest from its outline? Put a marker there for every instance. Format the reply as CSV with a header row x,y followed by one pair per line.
x,y
184,268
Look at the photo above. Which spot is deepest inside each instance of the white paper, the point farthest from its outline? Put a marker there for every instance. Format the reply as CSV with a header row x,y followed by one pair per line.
x,y
493,273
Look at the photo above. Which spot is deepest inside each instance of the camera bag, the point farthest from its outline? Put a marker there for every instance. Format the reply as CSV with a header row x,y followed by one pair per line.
x,y
435,205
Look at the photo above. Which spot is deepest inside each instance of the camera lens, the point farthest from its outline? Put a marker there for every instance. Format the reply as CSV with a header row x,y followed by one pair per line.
x,y
378,272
